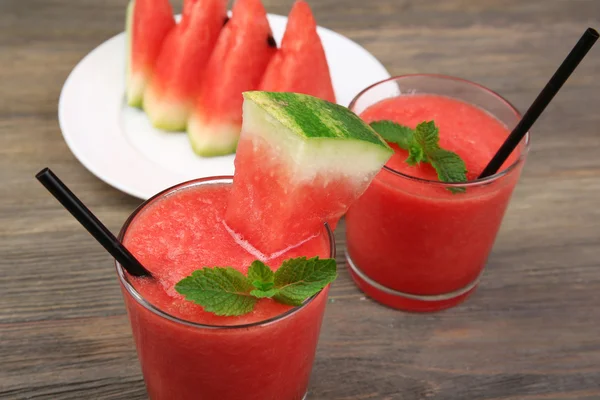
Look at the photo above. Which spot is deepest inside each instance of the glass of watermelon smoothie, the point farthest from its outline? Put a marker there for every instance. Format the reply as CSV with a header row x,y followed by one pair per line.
x,y
188,353
413,243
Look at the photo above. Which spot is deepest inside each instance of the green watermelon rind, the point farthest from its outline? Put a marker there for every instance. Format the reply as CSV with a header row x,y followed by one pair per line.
x,y
312,117
166,114
332,136
210,140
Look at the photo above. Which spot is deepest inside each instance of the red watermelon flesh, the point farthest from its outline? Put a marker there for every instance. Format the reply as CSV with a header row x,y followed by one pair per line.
x,y
300,65
236,65
148,23
300,162
181,65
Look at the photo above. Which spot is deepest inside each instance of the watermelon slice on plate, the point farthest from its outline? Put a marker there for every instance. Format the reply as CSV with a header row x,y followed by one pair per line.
x,y
181,64
148,23
301,161
300,65
236,65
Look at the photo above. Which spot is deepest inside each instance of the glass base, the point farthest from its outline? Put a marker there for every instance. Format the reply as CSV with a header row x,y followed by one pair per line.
x,y
406,301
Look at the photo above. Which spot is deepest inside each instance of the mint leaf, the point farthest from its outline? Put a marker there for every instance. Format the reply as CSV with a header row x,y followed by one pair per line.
x,y
427,136
403,136
394,133
449,167
261,275
263,285
222,291
423,145
268,293
300,278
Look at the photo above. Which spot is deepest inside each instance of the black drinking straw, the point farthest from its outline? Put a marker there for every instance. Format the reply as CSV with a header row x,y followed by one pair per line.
x,y
89,221
561,75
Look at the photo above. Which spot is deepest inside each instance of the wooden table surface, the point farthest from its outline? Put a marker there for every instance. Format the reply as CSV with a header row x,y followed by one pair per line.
x,y
532,330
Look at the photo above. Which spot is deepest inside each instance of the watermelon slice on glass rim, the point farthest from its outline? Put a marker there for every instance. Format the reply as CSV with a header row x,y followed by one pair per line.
x,y
236,65
180,67
301,162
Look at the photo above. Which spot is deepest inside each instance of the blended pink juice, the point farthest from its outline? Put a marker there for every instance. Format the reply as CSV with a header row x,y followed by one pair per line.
x,y
229,357
412,243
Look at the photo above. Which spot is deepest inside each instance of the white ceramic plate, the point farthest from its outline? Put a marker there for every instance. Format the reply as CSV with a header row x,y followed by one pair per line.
x,y
118,144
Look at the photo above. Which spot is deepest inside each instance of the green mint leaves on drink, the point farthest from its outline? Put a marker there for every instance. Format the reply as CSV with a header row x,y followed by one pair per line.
x,y
225,291
423,145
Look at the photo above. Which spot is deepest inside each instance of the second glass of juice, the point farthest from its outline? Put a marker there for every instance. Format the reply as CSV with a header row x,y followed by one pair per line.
x,y
414,243
187,353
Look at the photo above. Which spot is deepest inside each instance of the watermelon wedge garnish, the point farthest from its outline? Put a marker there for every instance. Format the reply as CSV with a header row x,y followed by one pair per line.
x,y
181,64
148,23
236,65
301,161
300,65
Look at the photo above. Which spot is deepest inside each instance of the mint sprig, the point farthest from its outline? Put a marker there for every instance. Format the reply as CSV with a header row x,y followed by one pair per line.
x,y
225,291
423,145
449,166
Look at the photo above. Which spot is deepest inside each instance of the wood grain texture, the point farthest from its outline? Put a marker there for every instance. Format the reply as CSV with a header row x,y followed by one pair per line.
x,y
530,332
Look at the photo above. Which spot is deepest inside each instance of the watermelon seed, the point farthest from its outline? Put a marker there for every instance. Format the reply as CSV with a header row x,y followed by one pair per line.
x,y
225,21
271,41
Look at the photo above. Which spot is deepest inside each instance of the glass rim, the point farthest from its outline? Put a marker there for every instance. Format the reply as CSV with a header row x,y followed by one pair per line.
x,y
475,182
124,280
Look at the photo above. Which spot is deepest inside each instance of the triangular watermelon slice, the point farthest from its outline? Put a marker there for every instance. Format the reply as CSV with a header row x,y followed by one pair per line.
x,y
301,161
180,66
300,65
148,23
236,65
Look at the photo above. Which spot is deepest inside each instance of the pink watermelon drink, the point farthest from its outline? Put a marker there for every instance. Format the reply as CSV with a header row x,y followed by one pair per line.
x,y
180,66
189,351
300,65
414,244
236,65
148,23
